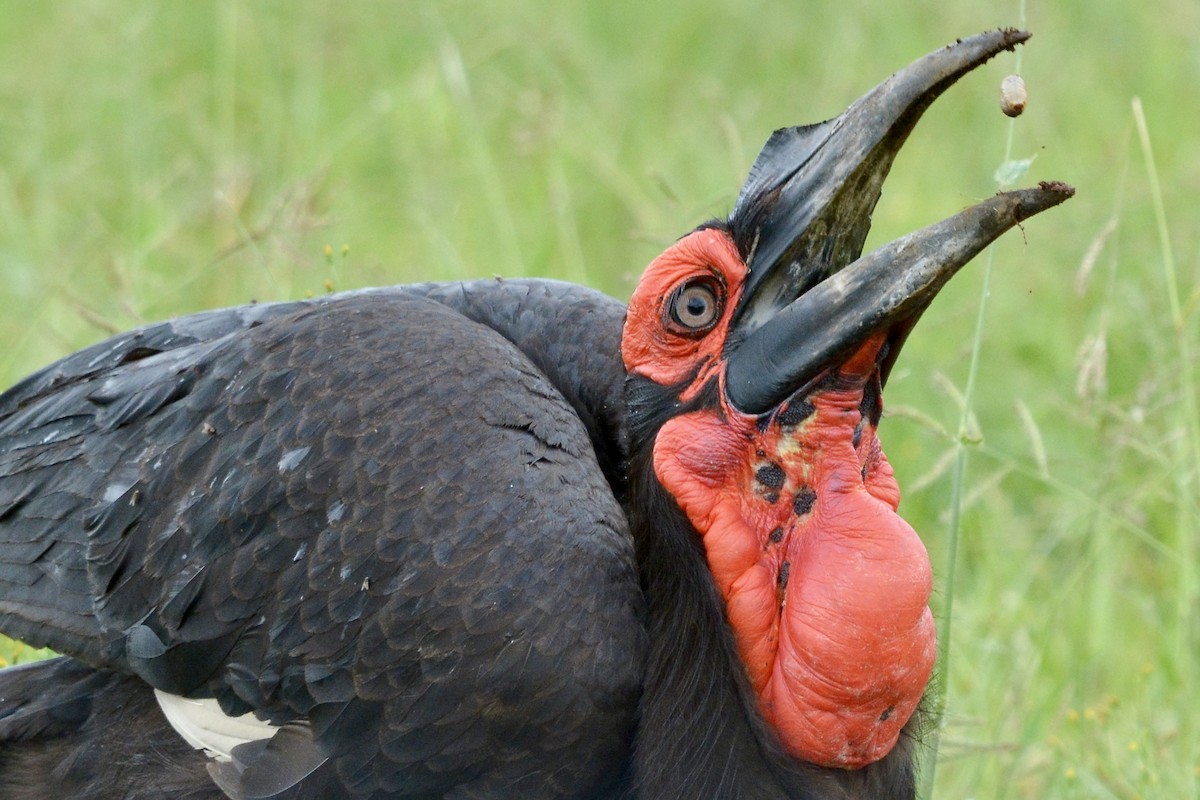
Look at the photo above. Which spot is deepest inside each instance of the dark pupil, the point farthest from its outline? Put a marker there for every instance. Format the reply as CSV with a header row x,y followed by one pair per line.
x,y
695,307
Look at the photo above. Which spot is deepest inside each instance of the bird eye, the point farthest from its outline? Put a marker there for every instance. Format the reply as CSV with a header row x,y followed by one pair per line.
x,y
695,306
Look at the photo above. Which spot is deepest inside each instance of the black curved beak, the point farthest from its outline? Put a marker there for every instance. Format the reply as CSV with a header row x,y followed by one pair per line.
x,y
804,213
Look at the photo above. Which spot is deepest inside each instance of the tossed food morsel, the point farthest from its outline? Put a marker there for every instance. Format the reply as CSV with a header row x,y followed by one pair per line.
x,y
1013,95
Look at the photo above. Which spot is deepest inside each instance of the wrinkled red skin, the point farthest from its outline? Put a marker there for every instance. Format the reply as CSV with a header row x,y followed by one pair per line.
x,y
840,644
829,606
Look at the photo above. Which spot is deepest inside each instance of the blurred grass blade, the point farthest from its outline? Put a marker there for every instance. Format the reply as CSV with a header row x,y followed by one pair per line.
x,y
968,433
1035,437
1187,469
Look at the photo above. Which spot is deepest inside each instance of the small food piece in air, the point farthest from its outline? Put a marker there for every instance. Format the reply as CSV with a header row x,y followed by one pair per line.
x,y
1013,95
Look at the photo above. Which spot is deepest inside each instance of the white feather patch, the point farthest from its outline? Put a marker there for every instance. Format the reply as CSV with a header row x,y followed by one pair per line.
x,y
206,727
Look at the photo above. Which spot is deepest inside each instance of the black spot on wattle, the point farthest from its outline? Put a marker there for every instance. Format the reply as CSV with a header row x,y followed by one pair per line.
x,y
776,535
796,413
770,475
805,499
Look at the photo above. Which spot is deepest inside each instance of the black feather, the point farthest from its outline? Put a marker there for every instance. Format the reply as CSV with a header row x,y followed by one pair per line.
x,y
374,512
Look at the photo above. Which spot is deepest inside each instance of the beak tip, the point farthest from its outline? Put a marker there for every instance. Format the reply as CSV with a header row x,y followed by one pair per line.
x,y
1046,194
995,41
1013,37
1057,189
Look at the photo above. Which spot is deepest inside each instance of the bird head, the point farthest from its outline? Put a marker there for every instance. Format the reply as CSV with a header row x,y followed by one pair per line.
x,y
757,348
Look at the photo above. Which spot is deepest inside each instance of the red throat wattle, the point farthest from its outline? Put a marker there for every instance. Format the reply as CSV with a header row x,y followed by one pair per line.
x,y
826,587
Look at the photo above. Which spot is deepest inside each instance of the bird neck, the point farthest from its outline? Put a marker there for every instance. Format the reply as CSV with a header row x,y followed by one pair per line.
x,y
570,334
695,737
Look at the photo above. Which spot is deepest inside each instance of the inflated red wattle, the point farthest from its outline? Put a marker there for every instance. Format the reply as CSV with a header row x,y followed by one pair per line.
x,y
826,587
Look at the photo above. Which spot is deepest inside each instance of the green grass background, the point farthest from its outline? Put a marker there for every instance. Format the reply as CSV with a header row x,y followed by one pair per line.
x,y
160,158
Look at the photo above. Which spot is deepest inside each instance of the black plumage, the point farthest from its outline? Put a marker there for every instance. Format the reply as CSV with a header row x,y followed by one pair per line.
x,y
297,515
70,731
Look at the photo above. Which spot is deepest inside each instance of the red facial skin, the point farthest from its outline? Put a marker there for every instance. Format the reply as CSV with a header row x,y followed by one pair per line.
x,y
826,587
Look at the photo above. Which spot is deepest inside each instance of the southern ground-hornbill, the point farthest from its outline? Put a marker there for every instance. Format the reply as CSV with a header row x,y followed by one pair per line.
x,y
507,538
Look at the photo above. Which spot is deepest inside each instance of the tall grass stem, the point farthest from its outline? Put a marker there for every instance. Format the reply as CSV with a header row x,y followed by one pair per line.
x,y
1187,456
963,437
